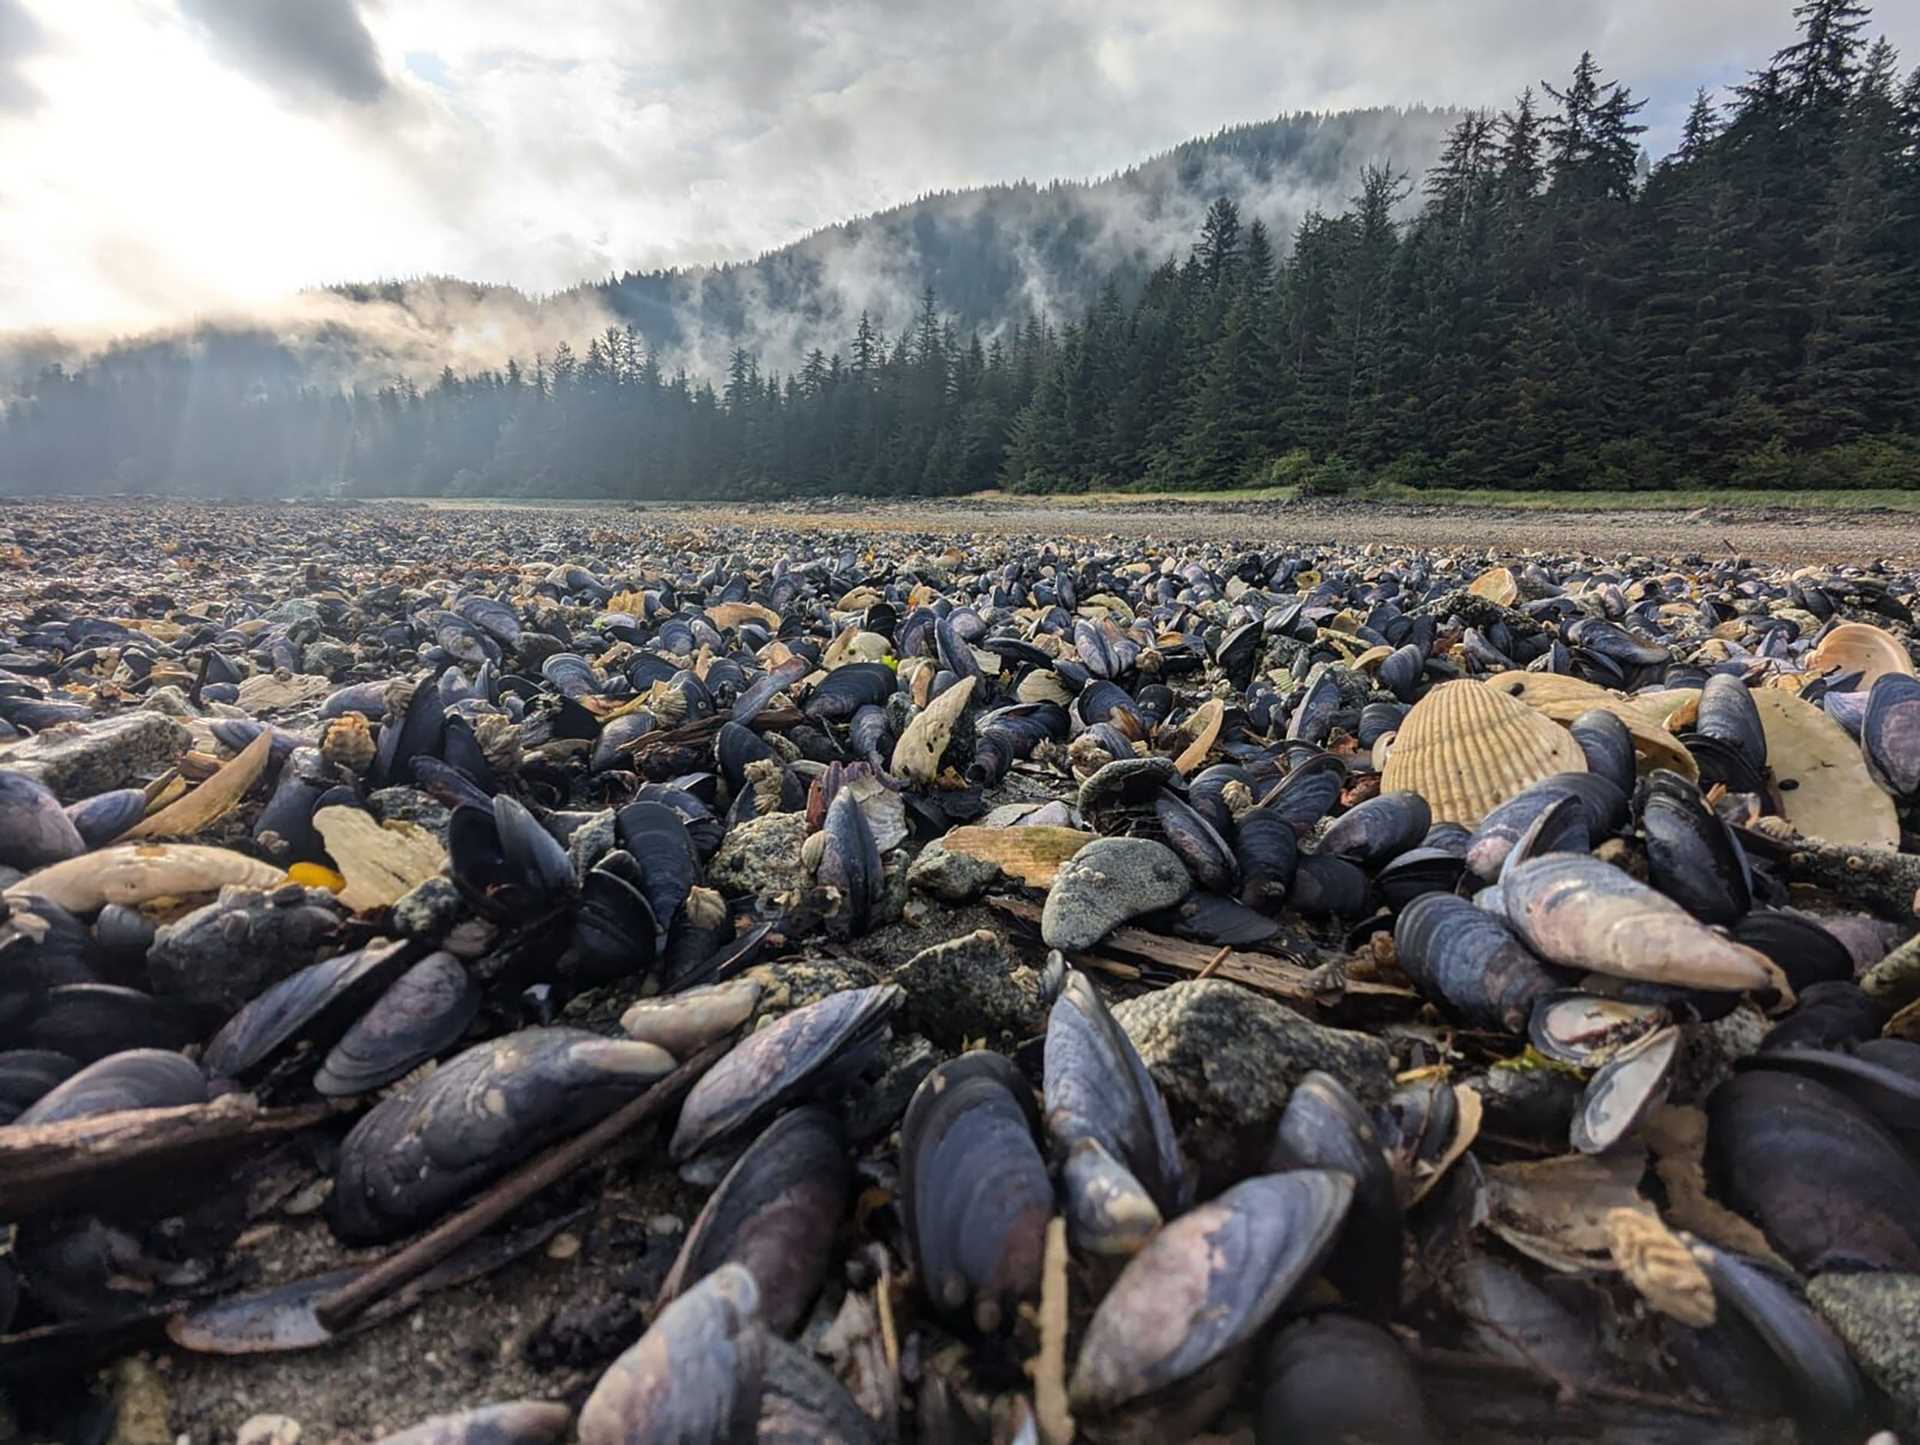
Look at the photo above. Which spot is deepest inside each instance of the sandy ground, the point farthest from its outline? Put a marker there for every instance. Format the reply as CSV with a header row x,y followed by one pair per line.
x,y
1774,534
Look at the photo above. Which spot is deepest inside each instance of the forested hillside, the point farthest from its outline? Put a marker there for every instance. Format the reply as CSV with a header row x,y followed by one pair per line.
x,y
1550,313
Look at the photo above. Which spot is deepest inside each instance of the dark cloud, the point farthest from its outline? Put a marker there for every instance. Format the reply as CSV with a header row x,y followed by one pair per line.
x,y
313,48
20,36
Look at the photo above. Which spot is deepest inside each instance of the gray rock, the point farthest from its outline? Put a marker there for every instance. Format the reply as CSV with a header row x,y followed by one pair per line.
x,y
325,658
1878,1315
295,609
591,839
77,760
970,988
952,877
761,857
169,700
410,805
1106,883
226,953
429,911
1227,1058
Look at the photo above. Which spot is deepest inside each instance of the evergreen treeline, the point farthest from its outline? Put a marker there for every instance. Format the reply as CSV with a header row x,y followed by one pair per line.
x,y
1554,315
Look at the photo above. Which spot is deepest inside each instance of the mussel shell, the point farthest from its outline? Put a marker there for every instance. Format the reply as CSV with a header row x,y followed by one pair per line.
x,y
1206,1284
1324,1127
105,816
1378,830
1098,1088
422,1013
1200,846
1692,855
1830,1186
1328,887
1838,1012
850,862
317,1002
419,1151
27,1074
1608,746
694,1376
136,1079
1266,846
1494,838
663,847
1308,792
1419,871
516,1422
1806,952
804,1403
1728,715
805,1054
974,1189
776,1212
1337,1378
35,831
1890,733
88,1021
848,688
506,865
1315,706
1586,1029
1826,1389
1625,1090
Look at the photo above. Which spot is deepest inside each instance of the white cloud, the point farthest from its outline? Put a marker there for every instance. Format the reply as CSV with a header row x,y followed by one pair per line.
x,y
166,163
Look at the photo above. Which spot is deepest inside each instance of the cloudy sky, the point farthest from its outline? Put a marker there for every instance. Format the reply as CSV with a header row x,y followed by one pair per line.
x,y
167,158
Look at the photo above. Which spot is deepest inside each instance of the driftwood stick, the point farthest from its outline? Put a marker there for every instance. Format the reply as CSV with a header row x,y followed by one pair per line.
x,y
1265,972
410,1260
1876,878
49,1167
705,728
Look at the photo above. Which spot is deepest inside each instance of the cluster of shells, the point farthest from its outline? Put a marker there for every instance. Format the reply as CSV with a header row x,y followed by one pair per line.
x,y
1083,988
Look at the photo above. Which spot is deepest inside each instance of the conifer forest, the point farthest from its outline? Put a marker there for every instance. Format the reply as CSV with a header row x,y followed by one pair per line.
x,y
1543,307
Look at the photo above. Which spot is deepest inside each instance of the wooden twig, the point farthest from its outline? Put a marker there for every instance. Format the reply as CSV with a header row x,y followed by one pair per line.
x,y
1268,973
52,1167
1212,965
509,1194
705,728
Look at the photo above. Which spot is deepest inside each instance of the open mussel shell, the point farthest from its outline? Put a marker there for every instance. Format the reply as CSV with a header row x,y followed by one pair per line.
x,y
424,1012
1587,1029
136,1079
1467,747
421,1150
776,1212
1099,1094
1692,855
1378,830
1325,1127
695,1375
1205,1286
506,865
318,1003
1625,1090
974,1189
1471,962
1828,1184
1337,1378
808,1053
1826,1389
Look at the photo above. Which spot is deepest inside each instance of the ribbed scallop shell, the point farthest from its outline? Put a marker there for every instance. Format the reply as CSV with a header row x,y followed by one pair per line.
x,y
1860,647
1466,747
